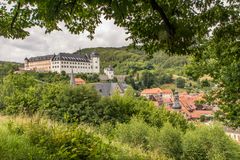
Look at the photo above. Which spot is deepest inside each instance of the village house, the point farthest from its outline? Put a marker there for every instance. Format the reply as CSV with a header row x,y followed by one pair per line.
x,y
151,92
183,103
109,72
109,88
79,81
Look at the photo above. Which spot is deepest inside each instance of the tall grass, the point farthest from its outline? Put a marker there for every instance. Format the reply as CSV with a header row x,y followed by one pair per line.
x,y
17,146
38,138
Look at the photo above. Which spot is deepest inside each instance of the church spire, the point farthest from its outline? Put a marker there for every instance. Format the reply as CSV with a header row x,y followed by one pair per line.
x,y
176,104
72,79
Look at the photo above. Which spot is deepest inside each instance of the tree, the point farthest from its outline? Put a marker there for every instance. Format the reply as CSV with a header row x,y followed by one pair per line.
x,y
20,94
164,78
180,82
220,60
71,104
177,26
200,28
147,79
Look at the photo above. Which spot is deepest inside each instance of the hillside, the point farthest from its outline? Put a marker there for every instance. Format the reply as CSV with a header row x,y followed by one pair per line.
x,y
127,60
6,67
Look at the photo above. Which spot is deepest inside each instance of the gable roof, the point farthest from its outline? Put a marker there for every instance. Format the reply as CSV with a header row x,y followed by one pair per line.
x,y
152,91
70,57
107,89
39,58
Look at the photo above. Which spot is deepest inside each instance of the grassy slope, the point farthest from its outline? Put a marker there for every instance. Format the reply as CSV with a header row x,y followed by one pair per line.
x,y
17,135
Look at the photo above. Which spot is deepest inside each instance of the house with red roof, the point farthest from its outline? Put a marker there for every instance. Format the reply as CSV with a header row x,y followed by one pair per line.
x,y
189,108
167,93
152,91
184,103
79,81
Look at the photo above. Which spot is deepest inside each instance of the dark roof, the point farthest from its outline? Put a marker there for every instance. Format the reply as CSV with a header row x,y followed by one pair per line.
x,y
107,89
110,68
70,57
39,58
94,54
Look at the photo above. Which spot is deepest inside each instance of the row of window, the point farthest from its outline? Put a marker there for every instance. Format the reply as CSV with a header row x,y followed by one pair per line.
x,y
73,67
71,63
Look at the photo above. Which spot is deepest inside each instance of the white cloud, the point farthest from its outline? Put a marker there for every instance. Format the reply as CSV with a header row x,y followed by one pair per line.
x,y
38,43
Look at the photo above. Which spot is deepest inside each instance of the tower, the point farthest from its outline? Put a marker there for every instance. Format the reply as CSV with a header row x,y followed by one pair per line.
x,y
160,101
176,104
72,79
26,63
95,62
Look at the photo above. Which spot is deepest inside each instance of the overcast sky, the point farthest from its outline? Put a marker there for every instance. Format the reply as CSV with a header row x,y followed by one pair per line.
x,y
38,43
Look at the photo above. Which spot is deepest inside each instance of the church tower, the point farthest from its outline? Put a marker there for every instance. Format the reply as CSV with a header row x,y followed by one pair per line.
x,y
72,79
176,104
95,62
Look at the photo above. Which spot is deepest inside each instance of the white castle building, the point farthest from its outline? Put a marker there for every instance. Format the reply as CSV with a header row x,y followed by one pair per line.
x,y
89,63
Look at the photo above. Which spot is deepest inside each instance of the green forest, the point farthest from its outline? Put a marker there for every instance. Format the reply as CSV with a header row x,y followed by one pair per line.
x,y
144,71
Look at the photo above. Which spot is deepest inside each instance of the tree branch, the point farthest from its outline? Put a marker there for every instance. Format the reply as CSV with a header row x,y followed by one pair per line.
x,y
73,5
169,27
16,15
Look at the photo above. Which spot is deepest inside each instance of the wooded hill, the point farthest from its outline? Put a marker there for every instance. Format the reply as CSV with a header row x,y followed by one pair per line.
x,y
126,60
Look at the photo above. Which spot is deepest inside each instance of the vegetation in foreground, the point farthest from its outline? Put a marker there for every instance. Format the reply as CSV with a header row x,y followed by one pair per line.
x,y
116,127
39,138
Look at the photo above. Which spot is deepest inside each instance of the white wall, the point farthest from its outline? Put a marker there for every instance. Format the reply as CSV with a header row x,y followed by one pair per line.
x,y
77,67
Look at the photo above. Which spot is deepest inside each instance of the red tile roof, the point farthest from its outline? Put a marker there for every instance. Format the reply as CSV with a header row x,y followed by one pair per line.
x,y
188,107
79,81
152,91
196,114
166,91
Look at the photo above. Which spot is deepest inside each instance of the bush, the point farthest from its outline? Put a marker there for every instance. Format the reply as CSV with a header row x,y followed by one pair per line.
x,y
20,94
70,104
115,109
205,83
137,132
170,141
15,145
209,142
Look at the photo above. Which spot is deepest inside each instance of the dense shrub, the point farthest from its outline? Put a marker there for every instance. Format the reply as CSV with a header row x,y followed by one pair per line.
x,y
167,140
71,104
209,142
20,94
137,132
116,109
170,141
16,146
